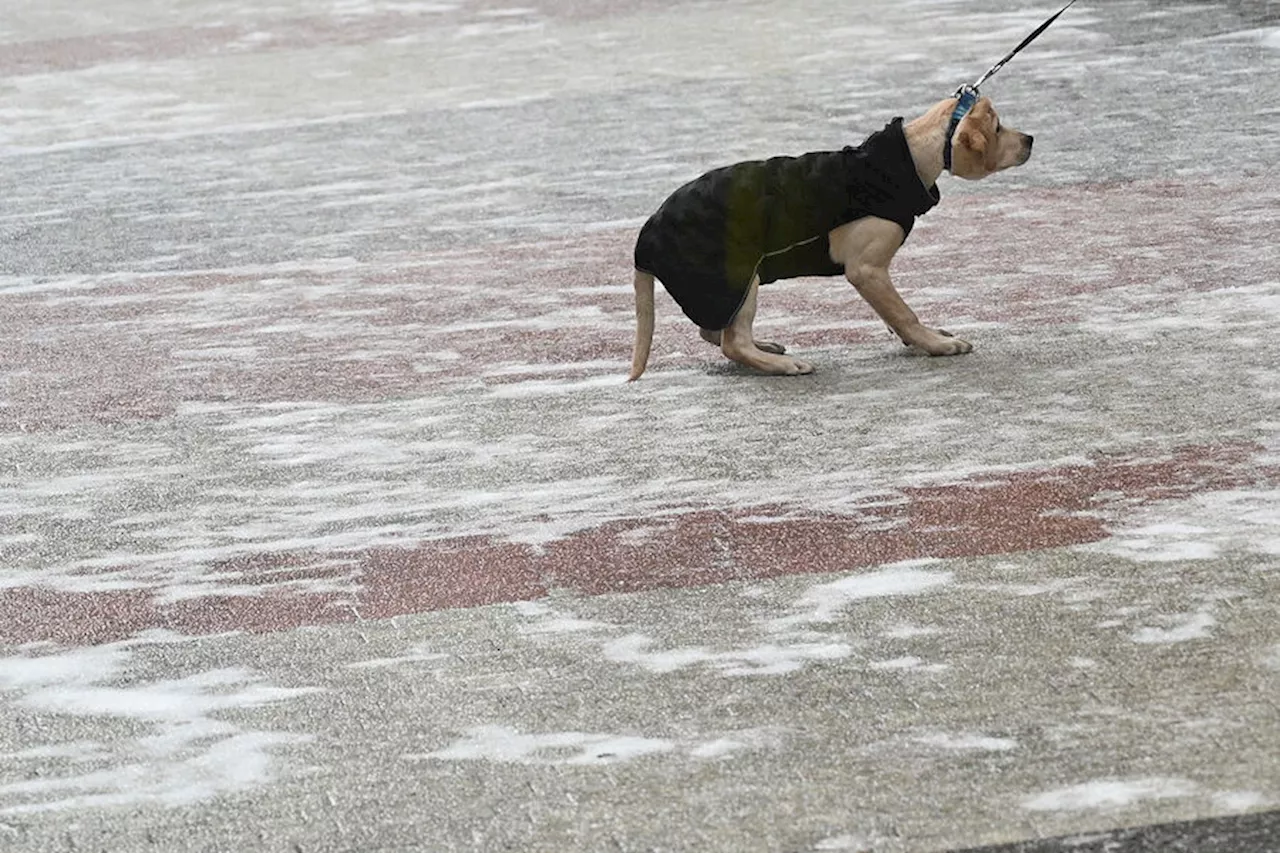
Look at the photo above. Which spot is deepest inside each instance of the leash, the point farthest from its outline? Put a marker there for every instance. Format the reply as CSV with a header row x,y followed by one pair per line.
x,y
968,94
1026,41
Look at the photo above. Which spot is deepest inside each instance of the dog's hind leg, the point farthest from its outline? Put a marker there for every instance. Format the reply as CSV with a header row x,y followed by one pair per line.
x,y
712,336
738,343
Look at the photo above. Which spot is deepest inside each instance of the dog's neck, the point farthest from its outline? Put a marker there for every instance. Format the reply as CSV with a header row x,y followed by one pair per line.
x,y
926,137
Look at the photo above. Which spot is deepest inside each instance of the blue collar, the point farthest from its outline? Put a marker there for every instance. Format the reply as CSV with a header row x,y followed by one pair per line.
x,y
968,96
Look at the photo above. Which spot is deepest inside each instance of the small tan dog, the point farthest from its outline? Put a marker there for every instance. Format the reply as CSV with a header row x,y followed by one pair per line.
x,y
714,241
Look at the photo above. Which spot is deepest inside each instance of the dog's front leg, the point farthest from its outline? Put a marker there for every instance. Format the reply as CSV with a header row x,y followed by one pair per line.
x,y
875,286
865,247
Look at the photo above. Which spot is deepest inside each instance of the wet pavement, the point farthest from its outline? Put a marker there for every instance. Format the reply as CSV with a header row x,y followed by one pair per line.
x,y
327,521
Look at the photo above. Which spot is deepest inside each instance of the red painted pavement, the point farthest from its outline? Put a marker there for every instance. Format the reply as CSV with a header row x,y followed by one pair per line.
x,y
1021,511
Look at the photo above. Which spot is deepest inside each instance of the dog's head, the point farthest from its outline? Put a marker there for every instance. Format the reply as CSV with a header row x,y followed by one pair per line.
x,y
982,146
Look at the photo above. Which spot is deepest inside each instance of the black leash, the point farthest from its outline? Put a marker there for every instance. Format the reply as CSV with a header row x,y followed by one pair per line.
x,y
968,95
1026,41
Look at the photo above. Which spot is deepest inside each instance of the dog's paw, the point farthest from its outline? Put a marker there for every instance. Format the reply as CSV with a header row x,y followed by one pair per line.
x,y
938,342
799,368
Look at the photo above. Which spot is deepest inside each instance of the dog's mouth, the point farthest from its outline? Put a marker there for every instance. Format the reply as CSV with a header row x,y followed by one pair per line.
x,y
1025,153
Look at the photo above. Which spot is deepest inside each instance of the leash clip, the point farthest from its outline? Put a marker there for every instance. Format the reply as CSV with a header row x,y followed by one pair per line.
x,y
968,96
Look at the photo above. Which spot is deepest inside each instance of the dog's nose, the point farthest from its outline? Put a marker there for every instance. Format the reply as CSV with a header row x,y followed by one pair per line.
x,y
1030,141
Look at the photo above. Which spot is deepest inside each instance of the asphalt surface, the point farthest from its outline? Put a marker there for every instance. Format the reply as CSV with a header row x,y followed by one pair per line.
x,y
327,521
1256,831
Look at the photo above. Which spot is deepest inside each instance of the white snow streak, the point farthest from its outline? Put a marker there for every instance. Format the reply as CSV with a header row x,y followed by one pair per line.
x,y
166,741
1179,629
507,745
1202,527
826,602
1109,794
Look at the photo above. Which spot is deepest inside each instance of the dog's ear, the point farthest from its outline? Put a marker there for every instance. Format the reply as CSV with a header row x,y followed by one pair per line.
x,y
968,154
974,140
974,150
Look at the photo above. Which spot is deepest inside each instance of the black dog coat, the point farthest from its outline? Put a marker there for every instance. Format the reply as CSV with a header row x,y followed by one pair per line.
x,y
772,218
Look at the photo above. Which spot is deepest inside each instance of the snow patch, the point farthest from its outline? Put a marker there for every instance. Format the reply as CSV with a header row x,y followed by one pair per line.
x,y
1110,793
788,643
505,745
966,742
1202,527
78,667
179,748
765,659
716,748
848,842
908,632
509,746
1179,629
825,602
1240,801
908,662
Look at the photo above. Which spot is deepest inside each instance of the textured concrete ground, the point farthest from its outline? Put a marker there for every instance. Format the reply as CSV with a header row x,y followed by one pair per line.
x,y
328,523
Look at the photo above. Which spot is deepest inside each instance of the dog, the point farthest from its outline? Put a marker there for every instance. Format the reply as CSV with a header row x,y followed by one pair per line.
x,y
715,240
